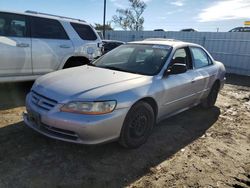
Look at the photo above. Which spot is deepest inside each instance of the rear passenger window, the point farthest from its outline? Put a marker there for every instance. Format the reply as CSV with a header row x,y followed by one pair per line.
x,y
47,28
12,25
200,57
84,31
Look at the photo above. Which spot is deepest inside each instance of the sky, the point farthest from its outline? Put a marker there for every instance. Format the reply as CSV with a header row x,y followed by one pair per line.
x,y
170,15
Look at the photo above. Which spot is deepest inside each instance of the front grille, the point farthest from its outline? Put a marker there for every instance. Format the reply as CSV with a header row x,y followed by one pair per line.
x,y
61,133
42,102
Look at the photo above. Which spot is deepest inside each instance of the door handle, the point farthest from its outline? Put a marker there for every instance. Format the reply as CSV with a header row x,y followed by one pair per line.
x,y
22,45
64,46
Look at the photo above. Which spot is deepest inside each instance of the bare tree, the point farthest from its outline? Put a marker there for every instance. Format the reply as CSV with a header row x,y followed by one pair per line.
x,y
131,18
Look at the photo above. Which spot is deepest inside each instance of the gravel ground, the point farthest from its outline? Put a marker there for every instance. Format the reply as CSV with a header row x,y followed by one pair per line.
x,y
197,148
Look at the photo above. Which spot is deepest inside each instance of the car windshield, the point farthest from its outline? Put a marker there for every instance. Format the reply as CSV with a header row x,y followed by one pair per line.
x,y
136,58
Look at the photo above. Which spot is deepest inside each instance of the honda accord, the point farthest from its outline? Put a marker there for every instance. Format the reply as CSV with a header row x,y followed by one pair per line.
x,y
123,94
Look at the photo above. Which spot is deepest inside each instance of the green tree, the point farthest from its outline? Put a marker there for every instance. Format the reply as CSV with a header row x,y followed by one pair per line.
x,y
131,18
100,26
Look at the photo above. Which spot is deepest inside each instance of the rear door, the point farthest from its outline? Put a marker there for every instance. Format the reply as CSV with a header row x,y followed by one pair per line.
x,y
203,66
89,43
15,45
50,44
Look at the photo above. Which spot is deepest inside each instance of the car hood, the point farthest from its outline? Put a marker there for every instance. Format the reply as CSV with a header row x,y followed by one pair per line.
x,y
70,83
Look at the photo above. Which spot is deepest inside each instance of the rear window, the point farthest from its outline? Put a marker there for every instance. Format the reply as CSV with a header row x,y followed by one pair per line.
x,y
84,31
47,28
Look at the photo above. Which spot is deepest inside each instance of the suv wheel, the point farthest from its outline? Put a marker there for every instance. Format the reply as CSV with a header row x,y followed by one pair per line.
x,y
137,126
74,63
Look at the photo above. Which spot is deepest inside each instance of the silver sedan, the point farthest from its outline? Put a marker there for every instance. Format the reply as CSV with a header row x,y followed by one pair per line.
x,y
123,94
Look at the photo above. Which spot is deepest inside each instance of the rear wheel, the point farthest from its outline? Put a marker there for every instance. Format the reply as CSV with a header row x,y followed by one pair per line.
x,y
137,126
212,97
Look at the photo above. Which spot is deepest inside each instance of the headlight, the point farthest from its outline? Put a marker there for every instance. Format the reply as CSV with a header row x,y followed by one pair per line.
x,y
93,108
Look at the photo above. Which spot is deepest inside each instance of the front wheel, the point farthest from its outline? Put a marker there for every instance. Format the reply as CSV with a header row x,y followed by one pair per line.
x,y
137,126
212,96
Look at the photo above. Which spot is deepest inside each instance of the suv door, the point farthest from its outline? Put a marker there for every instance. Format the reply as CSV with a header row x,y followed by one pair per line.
x,y
179,89
15,45
50,44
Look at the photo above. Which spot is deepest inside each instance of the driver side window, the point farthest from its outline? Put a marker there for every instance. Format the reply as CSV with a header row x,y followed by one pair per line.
x,y
180,53
181,57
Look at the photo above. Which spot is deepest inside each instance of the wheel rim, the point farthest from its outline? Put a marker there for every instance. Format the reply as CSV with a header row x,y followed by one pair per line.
x,y
138,126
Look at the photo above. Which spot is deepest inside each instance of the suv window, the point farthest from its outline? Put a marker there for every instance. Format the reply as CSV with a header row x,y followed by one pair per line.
x,y
200,57
47,28
84,31
13,25
246,29
182,57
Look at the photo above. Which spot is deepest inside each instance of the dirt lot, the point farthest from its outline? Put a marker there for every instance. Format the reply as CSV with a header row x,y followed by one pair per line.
x,y
197,148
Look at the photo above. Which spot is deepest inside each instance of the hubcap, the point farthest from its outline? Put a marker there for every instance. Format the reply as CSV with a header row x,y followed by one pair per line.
x,y
138,126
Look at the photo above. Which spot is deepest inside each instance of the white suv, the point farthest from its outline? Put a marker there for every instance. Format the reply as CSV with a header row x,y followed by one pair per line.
x,y
33,44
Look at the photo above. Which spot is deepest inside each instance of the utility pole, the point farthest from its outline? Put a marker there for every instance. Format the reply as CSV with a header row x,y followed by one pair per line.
x,y
104,19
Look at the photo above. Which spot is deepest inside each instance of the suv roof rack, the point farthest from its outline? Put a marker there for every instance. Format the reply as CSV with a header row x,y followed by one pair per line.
x,y
161,39
46,14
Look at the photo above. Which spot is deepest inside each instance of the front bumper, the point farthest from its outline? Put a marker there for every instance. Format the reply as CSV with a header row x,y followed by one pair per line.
x,y
76,128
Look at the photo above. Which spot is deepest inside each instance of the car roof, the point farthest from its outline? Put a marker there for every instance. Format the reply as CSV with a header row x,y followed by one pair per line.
x,y
49,16
163,41
245,28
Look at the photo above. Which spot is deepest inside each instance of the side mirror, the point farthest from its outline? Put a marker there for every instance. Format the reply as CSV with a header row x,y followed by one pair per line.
x,y
176,68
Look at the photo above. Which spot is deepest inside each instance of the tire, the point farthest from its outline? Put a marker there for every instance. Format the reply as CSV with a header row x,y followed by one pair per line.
x,y
137,125
212,96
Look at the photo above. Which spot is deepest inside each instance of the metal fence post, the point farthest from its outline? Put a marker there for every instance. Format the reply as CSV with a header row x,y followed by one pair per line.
x,y
203,41
133,37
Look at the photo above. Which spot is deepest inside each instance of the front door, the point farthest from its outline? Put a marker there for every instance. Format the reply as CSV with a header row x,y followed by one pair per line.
x,y
179,89
15,45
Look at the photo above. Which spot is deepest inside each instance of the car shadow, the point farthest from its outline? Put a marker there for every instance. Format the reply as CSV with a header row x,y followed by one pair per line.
x,y
13,95
28,159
